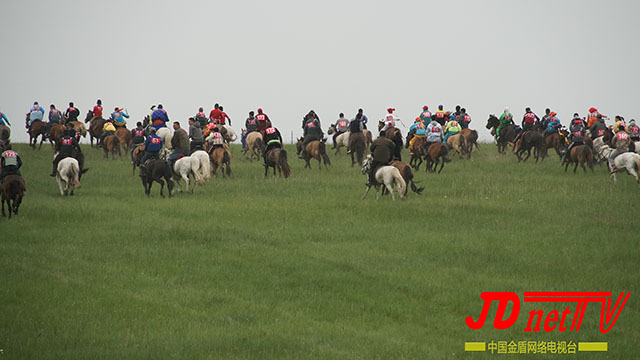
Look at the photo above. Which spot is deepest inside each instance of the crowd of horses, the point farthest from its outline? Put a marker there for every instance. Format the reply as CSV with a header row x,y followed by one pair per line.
x,y
197,168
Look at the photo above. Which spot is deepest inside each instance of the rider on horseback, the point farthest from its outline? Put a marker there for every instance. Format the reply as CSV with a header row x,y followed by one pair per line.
x,y
312,132
272,139
152,146
97,110
36,113
355,126
505,119
528,121
117,116
10,162
465,119
598,128
425,116
179,143
620,142
263,120
159,118
72,113
451,128
137,138
3,119
576,135
419,131
389,120
251,124
68,147
195,134
434,135
553,125
341,125
382,150
634,130
363,118
107,129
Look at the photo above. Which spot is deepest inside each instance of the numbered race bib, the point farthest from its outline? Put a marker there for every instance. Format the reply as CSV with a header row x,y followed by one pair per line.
x,y
139,133
342,123
156,140
10,154
67,142
270,131
600,132
622,136
260,117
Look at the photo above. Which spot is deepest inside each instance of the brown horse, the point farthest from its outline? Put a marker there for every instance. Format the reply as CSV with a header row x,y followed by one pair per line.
x,y
556,141
124,136
471,136
56,132
395,135
579,155
531,140
316,150
358,146
37,128
407,175
277,158
254,145
111,144
79,127
12,190
416,152
507,133
221,157
96,124
5,133
138,153
435,152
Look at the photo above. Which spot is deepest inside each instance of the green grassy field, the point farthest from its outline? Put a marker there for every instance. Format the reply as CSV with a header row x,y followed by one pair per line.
x,y
255,268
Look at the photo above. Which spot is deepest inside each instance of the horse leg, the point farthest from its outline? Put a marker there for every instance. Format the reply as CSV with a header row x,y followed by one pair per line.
x,y
441,165
3,200
161,182
390,189
366,191
528,154
576,167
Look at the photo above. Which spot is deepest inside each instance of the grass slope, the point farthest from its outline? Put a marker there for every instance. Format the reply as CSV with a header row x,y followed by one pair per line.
x,y
255,268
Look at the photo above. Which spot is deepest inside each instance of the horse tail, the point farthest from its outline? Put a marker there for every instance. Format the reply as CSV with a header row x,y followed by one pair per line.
x,y
636,160
400,181
259,144
195,168
74,172
225,157
284,165
233,137
409,174
323,153
206,168
444,151
473,139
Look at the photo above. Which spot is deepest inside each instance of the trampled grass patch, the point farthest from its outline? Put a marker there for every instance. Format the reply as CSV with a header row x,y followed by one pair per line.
x,y
254,268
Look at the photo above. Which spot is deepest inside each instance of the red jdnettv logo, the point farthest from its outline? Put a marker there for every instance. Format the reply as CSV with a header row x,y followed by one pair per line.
x,y
560,320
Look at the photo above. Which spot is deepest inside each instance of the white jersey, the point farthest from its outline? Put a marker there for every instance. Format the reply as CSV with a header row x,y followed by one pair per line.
x,y
434,132
390,121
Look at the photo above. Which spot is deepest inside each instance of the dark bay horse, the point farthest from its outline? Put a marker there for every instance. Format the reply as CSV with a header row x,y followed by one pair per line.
x,y
435,152
507,133
277,159
95,126
37,128
579,155
12,191
531,140
556,141
357,144
407,175
395,135
156,170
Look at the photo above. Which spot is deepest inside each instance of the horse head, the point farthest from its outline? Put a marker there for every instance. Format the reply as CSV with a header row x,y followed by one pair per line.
x,y
492,121
331,130
89,116
366,164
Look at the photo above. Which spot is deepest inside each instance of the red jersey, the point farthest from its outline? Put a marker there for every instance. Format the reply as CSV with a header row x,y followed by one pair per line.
x,y
97,111
216,116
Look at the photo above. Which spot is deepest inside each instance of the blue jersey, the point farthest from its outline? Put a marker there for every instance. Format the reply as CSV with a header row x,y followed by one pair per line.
x,y
153,143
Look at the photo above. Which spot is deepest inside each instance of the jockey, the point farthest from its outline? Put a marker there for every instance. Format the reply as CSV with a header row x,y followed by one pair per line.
x,y
152,146
97,110
272,139
179,143
10,162
451,128
251,124
620,142
389,120
419,131
224,117
576,119
36,113
55,117
215,139
363,118
215,116
195,134
576,135
107,129
634,130
355,126
117,116
465,119
73,131
505,119
201,118
553,125
137,138
592,117
159,118
342,126
425,116
598,128
3,119
545,118
72,113
312,132
619,121
434,135
528,121
382,150
441,115
68,147
263,120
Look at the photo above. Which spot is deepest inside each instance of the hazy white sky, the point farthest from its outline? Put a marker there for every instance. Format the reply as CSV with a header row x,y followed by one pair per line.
x,y
331,56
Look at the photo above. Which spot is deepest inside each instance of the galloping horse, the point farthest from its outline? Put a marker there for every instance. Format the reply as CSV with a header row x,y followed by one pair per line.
x,y
156,170
342,140
416,152
407,175
254,145
579,155
12,190
96,124
56,132
37,128
557,141
221,157
459,144
124,136
68,176
531,139
277,158
626,161
358,147
316,150
5,133
395,135
471,136
111,144
385,175
434,152
507,133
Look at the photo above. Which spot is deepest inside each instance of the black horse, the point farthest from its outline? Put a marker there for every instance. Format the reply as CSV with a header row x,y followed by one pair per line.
x,y
507,133
156,170
12,191
531,140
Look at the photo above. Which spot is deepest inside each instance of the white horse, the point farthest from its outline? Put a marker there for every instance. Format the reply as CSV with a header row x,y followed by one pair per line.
x,y
386,175
68,175
166,134
231,135
628,161
186,166
205,164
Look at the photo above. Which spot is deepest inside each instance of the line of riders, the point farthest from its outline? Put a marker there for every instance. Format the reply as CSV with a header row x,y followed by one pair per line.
x,y
622,140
